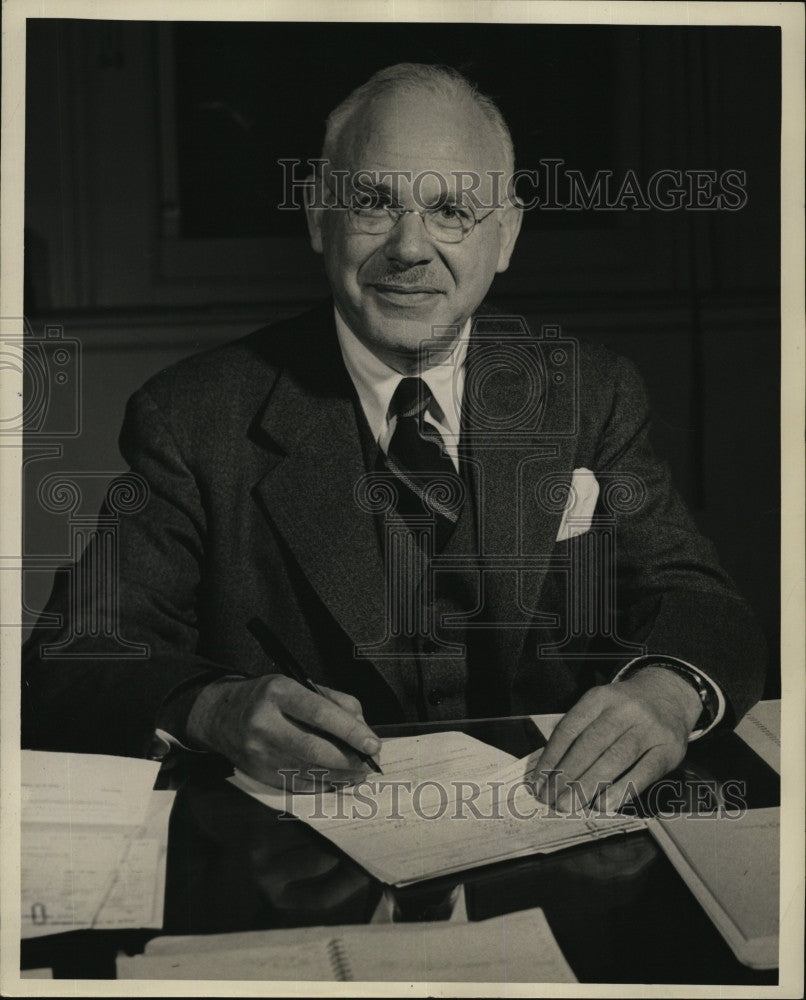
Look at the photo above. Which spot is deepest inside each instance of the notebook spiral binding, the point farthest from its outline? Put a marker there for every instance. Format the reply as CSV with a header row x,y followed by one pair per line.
x,y
339,961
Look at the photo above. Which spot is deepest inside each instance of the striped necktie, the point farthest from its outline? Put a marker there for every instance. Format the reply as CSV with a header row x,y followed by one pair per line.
x,y
427,481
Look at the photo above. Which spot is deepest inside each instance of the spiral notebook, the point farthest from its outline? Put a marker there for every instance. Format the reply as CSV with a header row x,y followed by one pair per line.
x,y
516,948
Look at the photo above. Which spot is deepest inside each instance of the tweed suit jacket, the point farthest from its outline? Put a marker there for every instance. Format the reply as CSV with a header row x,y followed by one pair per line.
x,y
251,454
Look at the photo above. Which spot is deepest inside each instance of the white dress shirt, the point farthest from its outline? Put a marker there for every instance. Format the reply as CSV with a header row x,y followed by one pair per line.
x,y
375,382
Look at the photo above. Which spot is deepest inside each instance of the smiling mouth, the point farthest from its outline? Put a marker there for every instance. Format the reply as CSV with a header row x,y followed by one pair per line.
x,y
407,289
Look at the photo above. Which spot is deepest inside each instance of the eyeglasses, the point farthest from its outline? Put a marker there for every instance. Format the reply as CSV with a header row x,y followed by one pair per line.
x,y
447,223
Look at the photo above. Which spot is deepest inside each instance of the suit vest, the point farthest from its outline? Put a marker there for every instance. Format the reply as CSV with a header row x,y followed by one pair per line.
x,y
449,673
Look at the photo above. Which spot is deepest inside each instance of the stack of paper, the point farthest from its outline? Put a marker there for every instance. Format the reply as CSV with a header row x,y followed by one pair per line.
x,y
93,841
516,948
445,803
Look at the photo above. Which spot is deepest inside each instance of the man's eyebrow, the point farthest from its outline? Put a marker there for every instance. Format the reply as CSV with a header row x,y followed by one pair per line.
x,y
381,188
385,190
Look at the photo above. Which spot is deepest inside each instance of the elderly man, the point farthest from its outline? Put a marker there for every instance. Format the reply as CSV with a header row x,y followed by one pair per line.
x,y
263,546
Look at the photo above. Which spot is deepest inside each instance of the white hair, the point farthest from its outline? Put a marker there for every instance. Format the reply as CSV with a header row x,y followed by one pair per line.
x,y
444,81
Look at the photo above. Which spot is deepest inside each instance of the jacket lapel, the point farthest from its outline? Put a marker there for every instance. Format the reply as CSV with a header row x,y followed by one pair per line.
x,y
308,494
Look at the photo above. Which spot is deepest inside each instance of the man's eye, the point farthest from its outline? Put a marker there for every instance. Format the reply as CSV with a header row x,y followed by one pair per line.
x,y
453,215
363,199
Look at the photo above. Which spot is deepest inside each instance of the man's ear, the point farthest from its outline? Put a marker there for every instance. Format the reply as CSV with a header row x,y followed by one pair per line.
x,y
510,223
314,212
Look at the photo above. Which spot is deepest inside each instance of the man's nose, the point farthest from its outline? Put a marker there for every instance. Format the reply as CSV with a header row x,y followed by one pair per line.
x,y
408,242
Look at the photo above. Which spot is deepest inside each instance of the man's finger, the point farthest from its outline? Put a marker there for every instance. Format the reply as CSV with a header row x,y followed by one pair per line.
x,y
601,735
319,749
307,746
614,760
652,766
277,759
567,730
346,701
322,714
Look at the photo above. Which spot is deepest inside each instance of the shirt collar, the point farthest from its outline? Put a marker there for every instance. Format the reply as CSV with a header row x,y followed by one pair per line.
x,y
375,381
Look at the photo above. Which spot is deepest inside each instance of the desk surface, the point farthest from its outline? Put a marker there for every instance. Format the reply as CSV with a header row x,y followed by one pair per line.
x,y
618,909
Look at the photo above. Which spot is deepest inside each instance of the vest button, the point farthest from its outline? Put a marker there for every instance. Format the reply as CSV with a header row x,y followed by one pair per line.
x,y
435,697
429,647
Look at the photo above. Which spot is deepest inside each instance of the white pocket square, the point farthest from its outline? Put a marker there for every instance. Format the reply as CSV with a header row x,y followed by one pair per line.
x,y
580,505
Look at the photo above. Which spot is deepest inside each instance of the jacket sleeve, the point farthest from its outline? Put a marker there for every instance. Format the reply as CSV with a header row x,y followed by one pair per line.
x,y
128,633
672,593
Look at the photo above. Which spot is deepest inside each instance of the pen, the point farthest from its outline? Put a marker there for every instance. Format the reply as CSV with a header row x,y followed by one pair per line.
x,y
286,663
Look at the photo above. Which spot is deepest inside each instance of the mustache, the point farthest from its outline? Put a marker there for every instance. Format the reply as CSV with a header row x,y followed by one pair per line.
x,y
411,277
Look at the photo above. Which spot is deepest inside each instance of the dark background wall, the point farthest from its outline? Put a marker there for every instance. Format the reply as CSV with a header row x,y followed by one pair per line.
x,y
152,227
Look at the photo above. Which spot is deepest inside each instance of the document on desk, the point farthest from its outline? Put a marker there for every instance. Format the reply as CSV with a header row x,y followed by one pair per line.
x,y
731,865
93,842
515,948
446,802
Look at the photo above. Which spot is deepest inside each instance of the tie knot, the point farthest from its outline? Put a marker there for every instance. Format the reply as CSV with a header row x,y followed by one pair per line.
x,y
411,397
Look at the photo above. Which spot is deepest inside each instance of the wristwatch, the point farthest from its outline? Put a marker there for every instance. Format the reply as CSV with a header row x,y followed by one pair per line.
x,y
707,695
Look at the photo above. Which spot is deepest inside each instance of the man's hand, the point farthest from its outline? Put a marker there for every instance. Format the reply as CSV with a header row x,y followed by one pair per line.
x,y
630,733
269,723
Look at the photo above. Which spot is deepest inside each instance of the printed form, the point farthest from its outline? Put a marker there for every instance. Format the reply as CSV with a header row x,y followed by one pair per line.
x,y
93,842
